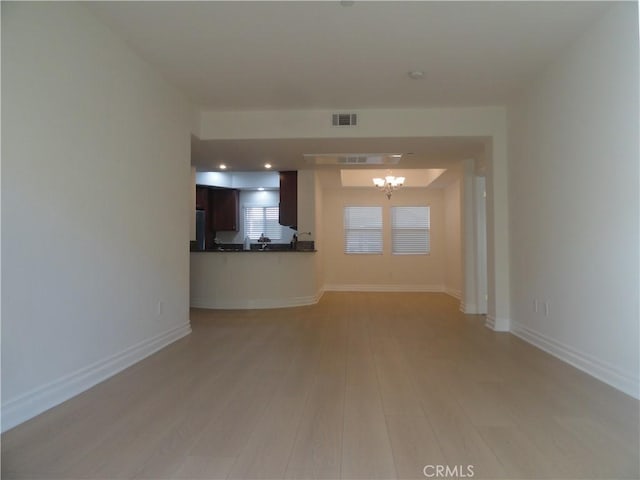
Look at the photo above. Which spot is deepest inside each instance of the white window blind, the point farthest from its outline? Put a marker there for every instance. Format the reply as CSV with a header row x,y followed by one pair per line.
x,y
259,220
410,230
363,230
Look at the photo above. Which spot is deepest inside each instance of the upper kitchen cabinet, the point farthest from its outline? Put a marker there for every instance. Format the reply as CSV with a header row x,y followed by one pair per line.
x,y
289,199
225,206
202,197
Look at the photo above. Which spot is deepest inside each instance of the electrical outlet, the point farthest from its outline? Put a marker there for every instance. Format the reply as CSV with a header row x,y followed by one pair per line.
x,y
546,309
160,307
535,305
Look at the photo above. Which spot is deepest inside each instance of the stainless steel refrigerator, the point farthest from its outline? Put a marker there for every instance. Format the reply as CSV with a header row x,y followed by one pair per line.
x,y
200,230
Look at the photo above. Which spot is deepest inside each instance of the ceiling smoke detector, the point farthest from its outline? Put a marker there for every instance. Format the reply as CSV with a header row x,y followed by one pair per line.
x,y
416,74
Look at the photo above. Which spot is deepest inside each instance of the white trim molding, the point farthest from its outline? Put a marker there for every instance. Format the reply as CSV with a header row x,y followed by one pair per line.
x,y
383,288
457,294
468,308
498,324
36,401
258,303
624,381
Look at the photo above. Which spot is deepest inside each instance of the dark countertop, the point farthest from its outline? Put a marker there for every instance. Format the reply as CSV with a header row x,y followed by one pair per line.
x,y
303,247
268,250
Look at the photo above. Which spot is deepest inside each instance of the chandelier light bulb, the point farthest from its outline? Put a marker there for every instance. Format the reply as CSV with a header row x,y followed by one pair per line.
x,y
388,184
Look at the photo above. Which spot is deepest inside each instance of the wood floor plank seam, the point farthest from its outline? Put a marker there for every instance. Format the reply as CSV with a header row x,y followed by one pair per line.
x,y
367,334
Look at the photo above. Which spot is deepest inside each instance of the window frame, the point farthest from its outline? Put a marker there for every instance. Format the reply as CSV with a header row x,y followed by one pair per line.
x,y
349,240
245,223
394,230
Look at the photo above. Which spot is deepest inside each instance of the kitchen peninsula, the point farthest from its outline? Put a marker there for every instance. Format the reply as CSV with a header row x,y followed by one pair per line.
x,y
253,279
227,274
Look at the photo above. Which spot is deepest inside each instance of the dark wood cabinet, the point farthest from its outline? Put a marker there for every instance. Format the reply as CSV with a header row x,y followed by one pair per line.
x,y
289,199
202,197
225,206
221,207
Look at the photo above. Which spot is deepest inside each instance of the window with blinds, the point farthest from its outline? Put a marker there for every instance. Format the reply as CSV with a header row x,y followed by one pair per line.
x,y
410,230
363,230
259,220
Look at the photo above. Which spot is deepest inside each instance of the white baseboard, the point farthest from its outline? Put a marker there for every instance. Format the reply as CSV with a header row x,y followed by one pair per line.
x,y
469,308
498,324
603,371
383,288
259,303
457,294
36,401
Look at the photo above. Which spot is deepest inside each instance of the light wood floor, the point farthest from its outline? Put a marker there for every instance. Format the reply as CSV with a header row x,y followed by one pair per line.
x,y
362,385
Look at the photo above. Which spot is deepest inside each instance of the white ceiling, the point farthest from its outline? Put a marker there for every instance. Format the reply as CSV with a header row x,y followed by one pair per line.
x,y
305,55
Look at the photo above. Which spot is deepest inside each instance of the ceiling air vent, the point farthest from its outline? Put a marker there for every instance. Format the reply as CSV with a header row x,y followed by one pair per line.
x,y
344,119
352,158
358,160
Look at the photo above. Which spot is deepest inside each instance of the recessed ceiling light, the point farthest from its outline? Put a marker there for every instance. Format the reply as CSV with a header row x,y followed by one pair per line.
x,y
267,166
223,166
397,155
416,74
261,189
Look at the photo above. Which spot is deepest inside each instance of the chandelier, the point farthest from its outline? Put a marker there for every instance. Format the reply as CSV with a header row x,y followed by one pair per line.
x,y
388,184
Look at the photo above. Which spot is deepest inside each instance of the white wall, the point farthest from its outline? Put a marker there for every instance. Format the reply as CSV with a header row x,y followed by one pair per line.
x,y
192,203
453,240
240,180
318,232
386,271
573,178
388,122
240,280
95,207
307,204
